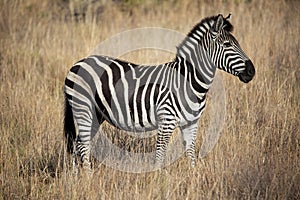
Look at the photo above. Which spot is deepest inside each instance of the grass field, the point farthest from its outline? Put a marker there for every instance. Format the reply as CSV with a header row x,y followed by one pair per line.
x,y
257,156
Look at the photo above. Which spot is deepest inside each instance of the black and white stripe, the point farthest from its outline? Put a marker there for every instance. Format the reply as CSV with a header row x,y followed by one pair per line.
x,y
141,98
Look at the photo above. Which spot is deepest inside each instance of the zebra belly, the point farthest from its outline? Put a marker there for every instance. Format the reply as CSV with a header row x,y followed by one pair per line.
x,y
126,124
127,117
132,127
128,104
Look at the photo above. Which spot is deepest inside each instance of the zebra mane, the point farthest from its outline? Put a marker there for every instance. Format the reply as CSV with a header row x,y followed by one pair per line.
x,y
210,21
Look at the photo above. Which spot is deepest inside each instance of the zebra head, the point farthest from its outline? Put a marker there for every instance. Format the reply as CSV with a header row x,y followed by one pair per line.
x,y
226,52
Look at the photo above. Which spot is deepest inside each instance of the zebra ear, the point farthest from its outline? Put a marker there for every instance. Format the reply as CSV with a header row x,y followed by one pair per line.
x,y
219,23
228,17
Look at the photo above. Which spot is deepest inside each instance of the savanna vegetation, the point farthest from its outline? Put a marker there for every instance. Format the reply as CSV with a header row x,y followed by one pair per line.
x,y
258,153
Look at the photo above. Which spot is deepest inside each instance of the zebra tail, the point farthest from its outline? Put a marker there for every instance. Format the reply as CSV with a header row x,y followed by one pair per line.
x,y
69,127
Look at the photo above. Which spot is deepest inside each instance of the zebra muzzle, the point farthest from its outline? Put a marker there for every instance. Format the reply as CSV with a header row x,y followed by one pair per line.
x,y
248,74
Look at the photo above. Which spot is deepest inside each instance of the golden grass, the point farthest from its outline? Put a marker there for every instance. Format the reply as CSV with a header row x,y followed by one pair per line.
x,y
257,156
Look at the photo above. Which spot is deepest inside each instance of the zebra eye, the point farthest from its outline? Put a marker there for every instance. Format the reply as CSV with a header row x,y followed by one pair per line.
x,y
226,44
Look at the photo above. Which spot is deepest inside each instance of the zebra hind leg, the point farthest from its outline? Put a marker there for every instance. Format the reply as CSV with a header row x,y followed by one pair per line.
x,y
87,131
84,152
82,144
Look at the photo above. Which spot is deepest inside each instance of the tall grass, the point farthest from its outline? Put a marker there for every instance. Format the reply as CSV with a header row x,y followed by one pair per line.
x,y
257,156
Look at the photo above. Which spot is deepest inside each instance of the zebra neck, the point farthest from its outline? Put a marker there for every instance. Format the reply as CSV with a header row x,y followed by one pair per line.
x,y
199,67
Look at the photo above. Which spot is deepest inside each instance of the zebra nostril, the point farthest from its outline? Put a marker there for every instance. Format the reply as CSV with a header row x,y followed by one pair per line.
x,y
250,68
251,71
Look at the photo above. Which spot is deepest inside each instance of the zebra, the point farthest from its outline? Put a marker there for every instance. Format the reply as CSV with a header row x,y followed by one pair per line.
x,y
140,98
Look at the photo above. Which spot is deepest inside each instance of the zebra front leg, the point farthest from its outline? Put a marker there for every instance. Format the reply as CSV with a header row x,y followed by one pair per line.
x,y
165,130
189,136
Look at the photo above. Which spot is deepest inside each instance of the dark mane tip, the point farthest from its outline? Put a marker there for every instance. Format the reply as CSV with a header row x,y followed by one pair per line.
x,y
203,21
227,25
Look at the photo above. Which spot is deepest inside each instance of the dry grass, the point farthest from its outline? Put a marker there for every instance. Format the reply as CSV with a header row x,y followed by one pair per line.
x,y
258,155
